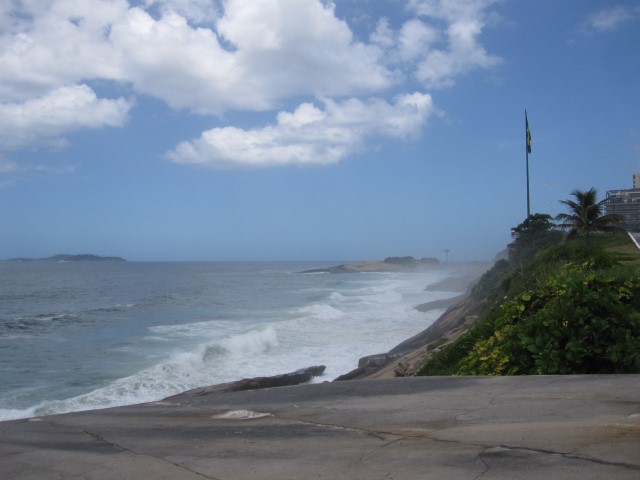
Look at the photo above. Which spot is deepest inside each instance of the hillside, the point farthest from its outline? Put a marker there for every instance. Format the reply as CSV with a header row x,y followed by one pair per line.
x,y
512,321
570,308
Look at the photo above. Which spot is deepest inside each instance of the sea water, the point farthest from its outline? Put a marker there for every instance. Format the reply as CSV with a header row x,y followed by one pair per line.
x,y
85,335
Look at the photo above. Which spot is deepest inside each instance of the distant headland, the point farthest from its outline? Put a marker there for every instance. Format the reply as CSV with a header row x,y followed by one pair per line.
x,y
63,257
389,264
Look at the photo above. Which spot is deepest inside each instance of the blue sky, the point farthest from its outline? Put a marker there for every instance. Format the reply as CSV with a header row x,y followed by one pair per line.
x,y
305,129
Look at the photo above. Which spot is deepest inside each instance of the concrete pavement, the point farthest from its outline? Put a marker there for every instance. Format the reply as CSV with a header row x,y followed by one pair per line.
x,y
560,427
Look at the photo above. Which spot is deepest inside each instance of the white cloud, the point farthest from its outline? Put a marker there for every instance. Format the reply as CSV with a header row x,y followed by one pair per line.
x,y
42,121
196,11
465,20
255,55
609,19
7,166
285,48
450,10
213,57
184,66
50,44
309,135
383,35
414,39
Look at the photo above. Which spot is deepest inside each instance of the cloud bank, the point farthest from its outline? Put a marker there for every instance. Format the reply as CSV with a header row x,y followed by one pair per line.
x,y
610,19
42,121
207,58
309,135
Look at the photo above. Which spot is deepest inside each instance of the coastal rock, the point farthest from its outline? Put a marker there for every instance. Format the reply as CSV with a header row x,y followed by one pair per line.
x,y
401,370
336,269
377,360
369,267
293,378
368,365
437,304
360,372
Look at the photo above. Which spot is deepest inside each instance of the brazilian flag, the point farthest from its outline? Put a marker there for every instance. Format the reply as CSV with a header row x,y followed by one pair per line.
x,y
526,121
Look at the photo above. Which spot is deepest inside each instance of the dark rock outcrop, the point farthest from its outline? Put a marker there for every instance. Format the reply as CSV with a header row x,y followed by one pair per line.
x,y
368,365
336,269
293,378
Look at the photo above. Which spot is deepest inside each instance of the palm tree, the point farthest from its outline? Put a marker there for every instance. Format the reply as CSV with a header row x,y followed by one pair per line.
x,y
586,214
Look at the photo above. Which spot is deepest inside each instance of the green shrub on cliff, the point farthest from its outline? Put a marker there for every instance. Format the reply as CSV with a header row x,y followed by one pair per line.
x,y
574,309
579,321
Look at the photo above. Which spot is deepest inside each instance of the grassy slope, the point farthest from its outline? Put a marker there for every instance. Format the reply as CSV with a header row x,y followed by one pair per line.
x,y
508,281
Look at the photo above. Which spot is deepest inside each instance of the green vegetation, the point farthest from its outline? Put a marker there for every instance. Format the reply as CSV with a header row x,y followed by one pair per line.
x,y
558,306
586,215
400,260
437,343
411,261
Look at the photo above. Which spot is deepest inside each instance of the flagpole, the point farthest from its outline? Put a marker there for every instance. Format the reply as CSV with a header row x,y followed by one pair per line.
x,y
528,198
526,149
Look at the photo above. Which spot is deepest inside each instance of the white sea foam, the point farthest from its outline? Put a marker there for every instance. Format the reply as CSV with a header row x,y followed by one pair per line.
x,y
337,297
319,311
254,341
12,413
205,329
179,372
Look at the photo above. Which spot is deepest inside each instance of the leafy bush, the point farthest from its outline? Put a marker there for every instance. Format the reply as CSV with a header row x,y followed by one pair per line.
x,y
447,361
574,309
580,321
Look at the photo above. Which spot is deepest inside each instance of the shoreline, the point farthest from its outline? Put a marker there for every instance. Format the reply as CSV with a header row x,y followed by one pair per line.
x,y
404,359
401,360
454,279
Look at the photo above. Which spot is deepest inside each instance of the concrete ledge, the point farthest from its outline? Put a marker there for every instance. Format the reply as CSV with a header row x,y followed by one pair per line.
x,y
565,427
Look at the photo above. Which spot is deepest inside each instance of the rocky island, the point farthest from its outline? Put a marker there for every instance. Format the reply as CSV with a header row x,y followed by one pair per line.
x,y
389,264
63,257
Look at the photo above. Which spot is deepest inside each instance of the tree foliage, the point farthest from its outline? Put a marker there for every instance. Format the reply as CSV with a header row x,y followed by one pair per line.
x,y
535,225
535,233
408,260
586,215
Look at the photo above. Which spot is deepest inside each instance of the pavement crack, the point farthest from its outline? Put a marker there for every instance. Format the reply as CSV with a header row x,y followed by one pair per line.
x,y
602,462
381,435
401,435
101,439
572,456
486,466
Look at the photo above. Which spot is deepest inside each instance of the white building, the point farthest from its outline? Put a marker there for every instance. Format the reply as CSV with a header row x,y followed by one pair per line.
x,y
627,204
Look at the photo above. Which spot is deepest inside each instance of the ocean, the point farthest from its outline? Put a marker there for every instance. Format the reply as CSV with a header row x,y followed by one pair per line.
x,y
85,335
